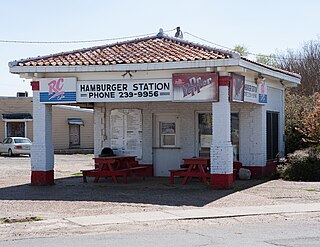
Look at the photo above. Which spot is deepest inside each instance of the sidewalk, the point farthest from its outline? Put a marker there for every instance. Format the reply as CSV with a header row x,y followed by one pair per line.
x,y
202,213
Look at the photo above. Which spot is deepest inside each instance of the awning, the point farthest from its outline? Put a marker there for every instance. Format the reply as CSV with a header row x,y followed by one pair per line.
x,y
77,121
11,116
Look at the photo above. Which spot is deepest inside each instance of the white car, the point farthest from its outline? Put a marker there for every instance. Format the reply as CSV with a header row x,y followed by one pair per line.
x,y
15,145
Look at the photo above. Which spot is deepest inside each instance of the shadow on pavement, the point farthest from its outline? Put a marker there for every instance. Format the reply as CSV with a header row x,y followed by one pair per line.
x,y
152,190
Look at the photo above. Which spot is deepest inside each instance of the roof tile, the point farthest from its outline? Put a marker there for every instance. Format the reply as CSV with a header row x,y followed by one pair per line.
x,y
147,50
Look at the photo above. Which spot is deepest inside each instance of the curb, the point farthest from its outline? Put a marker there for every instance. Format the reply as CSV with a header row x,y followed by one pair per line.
x,y
190,214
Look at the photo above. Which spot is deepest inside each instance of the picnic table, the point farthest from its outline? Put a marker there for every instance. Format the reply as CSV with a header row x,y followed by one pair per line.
x,y
114,166
195,167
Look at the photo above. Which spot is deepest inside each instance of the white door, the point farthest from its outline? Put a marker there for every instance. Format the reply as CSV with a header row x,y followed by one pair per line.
x,y
74,135
166,146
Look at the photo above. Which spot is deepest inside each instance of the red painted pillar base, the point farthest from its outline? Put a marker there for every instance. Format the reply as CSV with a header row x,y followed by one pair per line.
x,y
42,177
221,181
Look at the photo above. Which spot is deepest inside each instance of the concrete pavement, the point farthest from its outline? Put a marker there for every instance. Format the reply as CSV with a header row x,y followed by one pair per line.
x,y
201,213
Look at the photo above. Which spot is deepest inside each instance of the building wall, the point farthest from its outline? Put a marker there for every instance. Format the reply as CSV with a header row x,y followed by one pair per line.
x,y
252,131
15,105
60,130
61,114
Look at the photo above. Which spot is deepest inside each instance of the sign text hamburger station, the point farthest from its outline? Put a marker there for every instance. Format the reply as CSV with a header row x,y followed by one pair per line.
x,y
102,91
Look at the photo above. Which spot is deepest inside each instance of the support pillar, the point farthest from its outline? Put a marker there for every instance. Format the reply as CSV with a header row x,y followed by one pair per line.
x,y
42,154
221,151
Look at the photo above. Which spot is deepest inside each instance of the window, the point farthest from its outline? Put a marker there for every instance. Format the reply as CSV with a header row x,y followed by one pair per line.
x,y
168,134
16,129
235,135
272,135
205,134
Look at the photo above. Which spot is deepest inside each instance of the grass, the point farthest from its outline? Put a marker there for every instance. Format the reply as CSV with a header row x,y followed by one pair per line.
x,y
312,190
13,220
79,174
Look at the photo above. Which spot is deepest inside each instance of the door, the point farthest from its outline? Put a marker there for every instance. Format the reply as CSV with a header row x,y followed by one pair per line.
x,y
166,146
74,135
272,135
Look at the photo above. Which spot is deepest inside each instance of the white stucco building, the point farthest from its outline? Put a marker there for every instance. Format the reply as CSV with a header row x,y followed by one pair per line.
x,y
163,99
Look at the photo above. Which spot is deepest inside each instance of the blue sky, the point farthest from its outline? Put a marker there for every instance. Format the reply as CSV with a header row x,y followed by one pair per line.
x,y
262,26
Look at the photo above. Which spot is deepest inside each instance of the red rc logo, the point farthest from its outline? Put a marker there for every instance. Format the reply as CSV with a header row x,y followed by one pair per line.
x,y
56,87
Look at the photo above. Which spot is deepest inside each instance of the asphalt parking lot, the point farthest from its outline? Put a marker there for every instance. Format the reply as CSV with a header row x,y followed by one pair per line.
x,y
70,197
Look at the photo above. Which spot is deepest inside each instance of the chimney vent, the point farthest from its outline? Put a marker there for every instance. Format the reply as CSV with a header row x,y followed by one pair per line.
x,y
22,94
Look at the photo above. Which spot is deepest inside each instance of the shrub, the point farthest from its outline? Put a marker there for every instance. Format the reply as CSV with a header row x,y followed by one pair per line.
x,y
302,166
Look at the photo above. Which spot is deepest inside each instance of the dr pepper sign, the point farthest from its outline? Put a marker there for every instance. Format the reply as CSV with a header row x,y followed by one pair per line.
x,y
196,87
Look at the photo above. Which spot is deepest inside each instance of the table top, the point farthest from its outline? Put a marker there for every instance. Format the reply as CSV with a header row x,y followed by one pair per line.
x,y
114,157
196,161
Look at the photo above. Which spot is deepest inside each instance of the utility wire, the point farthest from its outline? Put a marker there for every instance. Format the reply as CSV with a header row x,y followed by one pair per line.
x,y
79,41
249,53
139,36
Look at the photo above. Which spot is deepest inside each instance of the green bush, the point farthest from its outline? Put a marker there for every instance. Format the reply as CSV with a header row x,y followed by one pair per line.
x,y
294,140
301,166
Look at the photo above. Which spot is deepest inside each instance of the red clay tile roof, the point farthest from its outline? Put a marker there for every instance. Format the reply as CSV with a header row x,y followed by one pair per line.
x,y
155,49
146,50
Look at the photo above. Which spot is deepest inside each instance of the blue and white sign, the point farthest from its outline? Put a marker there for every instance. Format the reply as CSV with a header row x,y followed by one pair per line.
x,y
256,92
58,90
262,92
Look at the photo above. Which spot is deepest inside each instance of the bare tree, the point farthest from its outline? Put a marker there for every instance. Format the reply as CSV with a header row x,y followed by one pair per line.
x,y
305,62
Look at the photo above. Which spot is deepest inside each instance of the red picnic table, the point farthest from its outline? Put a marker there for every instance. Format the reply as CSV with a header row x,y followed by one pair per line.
x,y
114,166
196,167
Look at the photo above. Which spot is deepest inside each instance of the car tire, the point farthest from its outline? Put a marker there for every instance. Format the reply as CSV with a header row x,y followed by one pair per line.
x,y
10,154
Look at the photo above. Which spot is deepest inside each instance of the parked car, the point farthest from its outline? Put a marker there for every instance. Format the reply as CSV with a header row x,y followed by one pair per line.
x,y
15,146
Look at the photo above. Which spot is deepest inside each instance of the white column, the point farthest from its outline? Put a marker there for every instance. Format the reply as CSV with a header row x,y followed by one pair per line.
x,y
42,157
221,151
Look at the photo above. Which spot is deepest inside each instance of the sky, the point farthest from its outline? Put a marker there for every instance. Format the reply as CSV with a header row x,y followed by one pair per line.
x,y
264,27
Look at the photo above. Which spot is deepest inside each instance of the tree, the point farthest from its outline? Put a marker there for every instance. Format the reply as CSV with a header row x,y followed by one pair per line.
x,y
266,59
310,124
302,107
242,50
295,108
305,62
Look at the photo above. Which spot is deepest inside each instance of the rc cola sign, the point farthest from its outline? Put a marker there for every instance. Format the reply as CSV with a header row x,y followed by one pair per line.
x,y
56,90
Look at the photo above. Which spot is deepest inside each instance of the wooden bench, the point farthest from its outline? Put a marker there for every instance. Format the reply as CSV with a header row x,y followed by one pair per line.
x,y
88,173
135,171
178,173
132,171
97,174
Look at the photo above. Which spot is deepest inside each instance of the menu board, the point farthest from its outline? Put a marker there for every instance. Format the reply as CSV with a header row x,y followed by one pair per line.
x,y
126,132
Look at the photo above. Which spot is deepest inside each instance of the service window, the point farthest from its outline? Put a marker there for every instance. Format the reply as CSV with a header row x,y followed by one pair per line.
x,y
168,134
126,132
